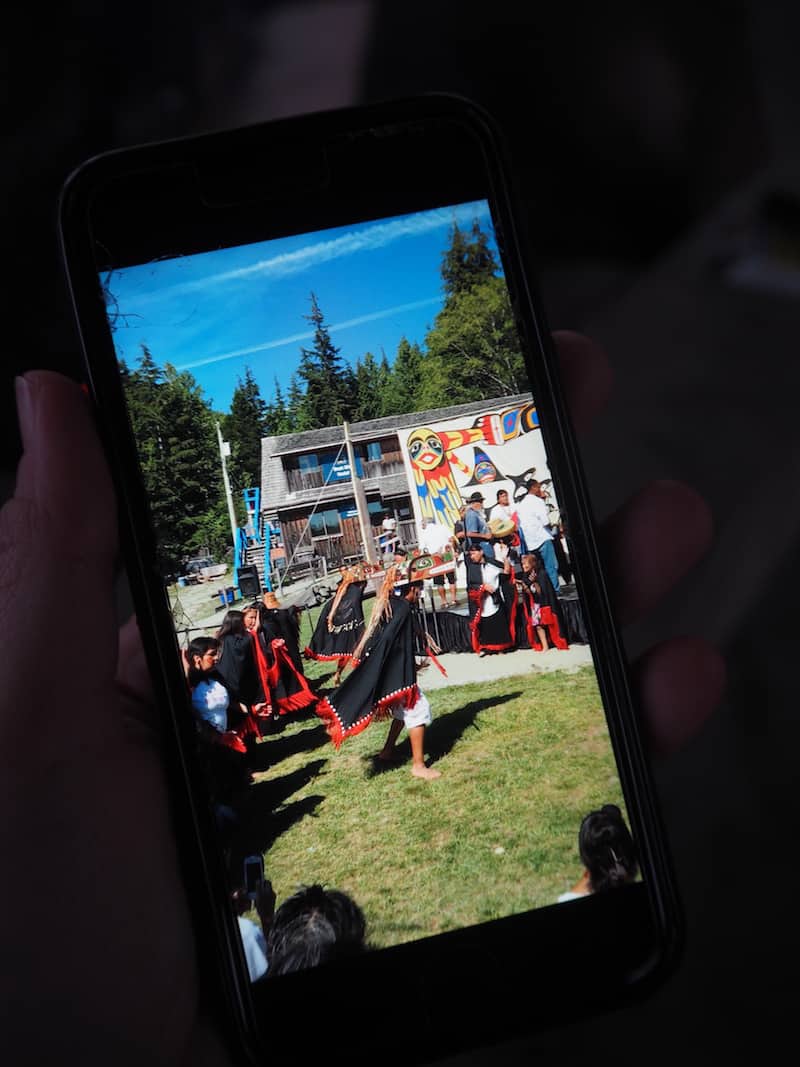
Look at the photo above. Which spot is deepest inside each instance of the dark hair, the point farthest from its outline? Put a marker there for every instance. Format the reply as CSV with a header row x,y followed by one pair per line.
x,y
314,926
607,849
400,551
198,646
500,493
233,623
532,483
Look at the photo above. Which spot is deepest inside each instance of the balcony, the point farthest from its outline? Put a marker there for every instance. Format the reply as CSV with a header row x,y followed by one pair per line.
x,y
314,478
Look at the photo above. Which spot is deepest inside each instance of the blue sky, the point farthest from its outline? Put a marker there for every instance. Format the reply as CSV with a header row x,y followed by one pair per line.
x,y
216,313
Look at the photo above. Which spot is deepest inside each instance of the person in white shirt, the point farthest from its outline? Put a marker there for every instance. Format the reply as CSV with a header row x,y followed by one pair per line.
x,y
502,509
437,539
534,520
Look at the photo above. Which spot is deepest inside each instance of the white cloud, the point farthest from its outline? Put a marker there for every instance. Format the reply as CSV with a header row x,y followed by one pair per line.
x,y
365,239
307,335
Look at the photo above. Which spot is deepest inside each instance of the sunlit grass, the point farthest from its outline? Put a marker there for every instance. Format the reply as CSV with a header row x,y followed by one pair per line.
x,y
522,760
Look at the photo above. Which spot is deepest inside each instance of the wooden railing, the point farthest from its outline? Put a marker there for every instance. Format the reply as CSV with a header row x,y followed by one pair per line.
x,y
314,478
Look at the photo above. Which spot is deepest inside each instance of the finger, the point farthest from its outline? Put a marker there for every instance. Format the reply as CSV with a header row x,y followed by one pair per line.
x,y
58,539
651,542
63,473
678,684
585,374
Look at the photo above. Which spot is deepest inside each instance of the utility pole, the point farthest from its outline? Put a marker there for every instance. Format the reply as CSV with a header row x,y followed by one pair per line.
x,y
224,452
361,500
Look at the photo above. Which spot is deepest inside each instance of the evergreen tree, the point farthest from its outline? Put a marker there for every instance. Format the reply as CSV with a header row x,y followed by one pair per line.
x,y
244,428
371,381
473,349
179,457
328,385
467,261
296,414
277,419
406,377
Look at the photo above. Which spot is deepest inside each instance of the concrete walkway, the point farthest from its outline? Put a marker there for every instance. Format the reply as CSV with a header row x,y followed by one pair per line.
x,y
464,667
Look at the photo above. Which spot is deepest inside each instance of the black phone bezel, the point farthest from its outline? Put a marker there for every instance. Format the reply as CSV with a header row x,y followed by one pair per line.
x,y
194,194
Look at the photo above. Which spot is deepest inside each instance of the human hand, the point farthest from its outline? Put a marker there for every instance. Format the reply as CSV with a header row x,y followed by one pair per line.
x,y
116,976
99,962
265,904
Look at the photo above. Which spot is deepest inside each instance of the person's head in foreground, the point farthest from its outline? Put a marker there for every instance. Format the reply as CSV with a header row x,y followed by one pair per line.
x,y
203,653
607,849
476,553
314,926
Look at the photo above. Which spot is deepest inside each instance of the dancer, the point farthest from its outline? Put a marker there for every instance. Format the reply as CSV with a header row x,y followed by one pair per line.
x,y
340,626
384,682
494,601
286,621
541,609
287,687
237,666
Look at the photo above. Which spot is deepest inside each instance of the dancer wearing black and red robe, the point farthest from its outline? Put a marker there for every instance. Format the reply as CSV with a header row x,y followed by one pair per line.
x,y
340,626
541,610
493,604
384,680
237,667
287,687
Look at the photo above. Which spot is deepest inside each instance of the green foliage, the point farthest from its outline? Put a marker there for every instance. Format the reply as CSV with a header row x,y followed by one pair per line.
x,y
473,349
328,385
467,261
406,378
371,388
243,428
179,455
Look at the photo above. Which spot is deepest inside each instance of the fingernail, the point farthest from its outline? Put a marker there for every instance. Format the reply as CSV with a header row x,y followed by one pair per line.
x,y
26,408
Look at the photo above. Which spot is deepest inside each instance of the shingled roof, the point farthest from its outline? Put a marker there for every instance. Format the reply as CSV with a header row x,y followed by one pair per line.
x,y
328,436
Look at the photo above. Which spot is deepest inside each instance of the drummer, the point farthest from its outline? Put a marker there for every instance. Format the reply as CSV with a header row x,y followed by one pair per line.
x,y
506,540
502,509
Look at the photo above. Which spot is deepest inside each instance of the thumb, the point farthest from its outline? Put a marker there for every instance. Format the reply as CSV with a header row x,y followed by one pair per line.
x,y
58,542
62,476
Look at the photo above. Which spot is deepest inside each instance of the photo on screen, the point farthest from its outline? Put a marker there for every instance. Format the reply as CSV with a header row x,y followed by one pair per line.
x,y
386,658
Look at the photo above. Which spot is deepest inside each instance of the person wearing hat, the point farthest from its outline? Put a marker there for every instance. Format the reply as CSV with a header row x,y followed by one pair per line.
x,y
475,525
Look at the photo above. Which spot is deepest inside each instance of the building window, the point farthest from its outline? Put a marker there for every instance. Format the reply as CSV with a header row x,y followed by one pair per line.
x,y
325,524
374,450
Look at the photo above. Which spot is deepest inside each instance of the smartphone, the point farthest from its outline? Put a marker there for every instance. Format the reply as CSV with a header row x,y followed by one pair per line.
x,y
298,336
253,874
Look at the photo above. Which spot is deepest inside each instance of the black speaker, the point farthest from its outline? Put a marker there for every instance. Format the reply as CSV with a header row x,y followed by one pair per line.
x,y
248,580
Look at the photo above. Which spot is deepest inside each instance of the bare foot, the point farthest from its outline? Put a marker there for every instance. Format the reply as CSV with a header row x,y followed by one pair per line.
x,y
425,772
386,757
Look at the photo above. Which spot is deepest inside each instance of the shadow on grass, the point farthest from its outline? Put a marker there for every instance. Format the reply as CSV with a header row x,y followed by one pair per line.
x,y
260,824
272,751
445,730
256,835
440,736
268,795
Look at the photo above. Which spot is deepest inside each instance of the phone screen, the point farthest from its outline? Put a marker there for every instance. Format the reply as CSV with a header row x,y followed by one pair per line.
x,y
388,664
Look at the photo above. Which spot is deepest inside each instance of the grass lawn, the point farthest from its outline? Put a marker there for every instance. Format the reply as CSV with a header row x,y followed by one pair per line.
x,y
522,761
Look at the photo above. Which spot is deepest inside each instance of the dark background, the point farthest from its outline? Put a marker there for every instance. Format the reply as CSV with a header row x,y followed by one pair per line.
x,y
658,146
